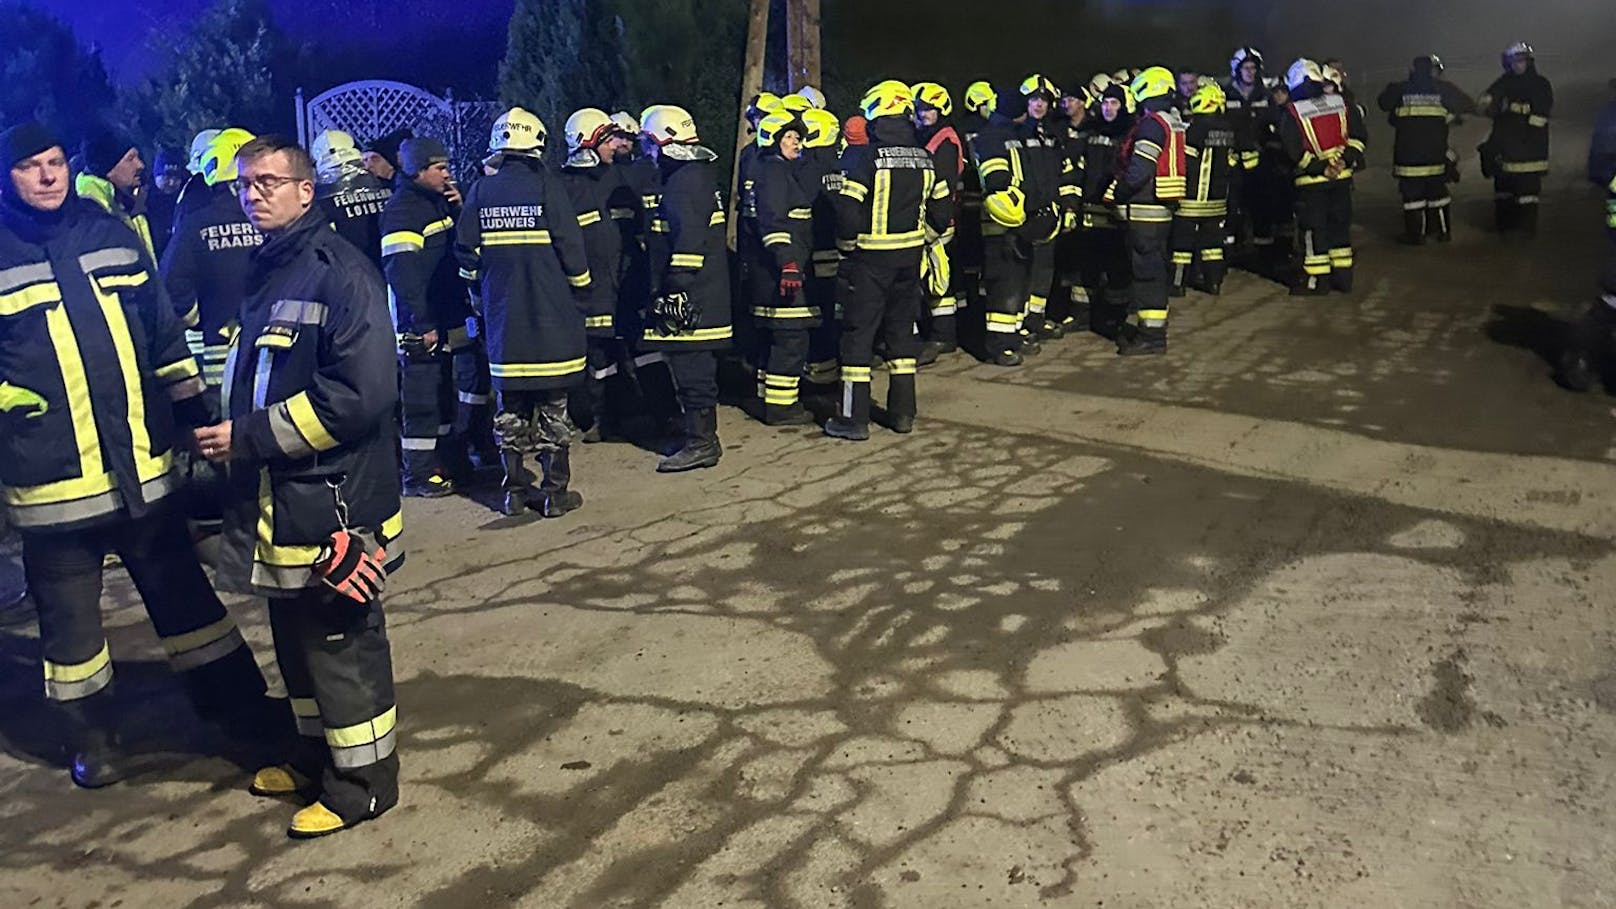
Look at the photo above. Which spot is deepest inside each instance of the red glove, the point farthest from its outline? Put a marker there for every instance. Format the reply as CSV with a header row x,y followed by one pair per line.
x,y
790,279
345,567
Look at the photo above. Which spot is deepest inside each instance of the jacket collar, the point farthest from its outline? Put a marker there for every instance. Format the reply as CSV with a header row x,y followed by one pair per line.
x,y
287,244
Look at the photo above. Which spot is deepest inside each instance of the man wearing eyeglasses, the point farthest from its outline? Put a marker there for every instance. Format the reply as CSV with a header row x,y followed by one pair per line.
x,y
312,509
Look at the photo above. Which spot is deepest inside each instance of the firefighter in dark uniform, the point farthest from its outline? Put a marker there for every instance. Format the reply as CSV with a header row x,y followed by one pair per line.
x,y
519,239
1075,103
892,198
1516,155
1050,185
755,278
1105,277
966,252
429,303
1420,110
1150,182
939,316
591,182
1249,110
822,175
781,312
688,319
1198,225
351,197
1589,352
96,382
1323,137
312,518
1007,253
191,193
631,205
206,263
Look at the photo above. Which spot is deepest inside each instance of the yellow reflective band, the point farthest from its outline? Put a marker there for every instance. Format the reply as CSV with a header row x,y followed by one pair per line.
x,y
393,527
940,192
267,552
855,373
69,673
598,321
1355,143
402,241
109,282
1215,254
305,707
1421,110
201,637
881,203
716,219
801,214
779,238
1524,167
36,295
688,260
437,227
701,334
906,240
362,733
308,424
1153,314
902,366
588,218
992,166
1416,171
855,190
536,370
1537,121
123,344
784,312
517,238
179,369
622,214
582,280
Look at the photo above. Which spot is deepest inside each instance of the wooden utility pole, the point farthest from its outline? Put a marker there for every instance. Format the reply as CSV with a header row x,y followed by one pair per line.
x,y
757,42
807,35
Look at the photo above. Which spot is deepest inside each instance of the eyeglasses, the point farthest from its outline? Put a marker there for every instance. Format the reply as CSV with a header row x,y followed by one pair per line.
x,y
266,184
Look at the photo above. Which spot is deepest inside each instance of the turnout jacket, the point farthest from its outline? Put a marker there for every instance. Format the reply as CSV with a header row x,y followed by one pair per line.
x,y
353,205
118,204
689,254
1318,130
1249,116
1420,110
595,192
893,198
205,268
88,333
519,240
1098,144
634,197
1520,107
821,177
1210,157
785,220
1152,164
310,387
424,289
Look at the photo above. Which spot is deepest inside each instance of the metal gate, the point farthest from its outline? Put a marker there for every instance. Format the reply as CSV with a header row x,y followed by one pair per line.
x,y
371,109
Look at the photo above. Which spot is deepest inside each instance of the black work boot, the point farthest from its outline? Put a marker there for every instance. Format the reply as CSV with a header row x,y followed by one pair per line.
x,y
701,447
1414,227
1341,280
1081,318
555,499
98,756
1438,226
901,404
787,415
852,420
1504,211
514,482
1142,342
1526,218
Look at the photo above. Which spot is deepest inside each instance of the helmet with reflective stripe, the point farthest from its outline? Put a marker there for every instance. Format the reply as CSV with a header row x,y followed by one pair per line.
x,y
978,94
1036,84
1334,76
587,128
815,96
1100,83
1208,99
667,124
777,124
762,105
795,103
1518,49
517,131
331,151
1239,59
625,121
823,130
932,95
200,144
1302,72
1155,82
1007,206
889,98
219,161
1122,75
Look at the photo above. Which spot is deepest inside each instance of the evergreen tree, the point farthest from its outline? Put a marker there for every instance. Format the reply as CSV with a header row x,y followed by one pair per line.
x,y
45,75
562,55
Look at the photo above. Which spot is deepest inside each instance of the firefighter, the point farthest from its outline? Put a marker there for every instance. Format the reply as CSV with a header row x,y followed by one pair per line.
x,y
208,263
1420,110
429,302
351,197
1516,155
893,198
112,178
1198,225
193,192
1592,336
1324,141
518,239
939,331
1248,107
1007,253
1052,193
380,157
780,311
1104,278
822,176
312,518
591,182
95,355
1074,112
1150,182
967,250
688,318
756,279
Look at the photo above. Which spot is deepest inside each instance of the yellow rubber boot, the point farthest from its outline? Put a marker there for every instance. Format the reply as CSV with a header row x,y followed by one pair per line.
x,y
315,820
279,780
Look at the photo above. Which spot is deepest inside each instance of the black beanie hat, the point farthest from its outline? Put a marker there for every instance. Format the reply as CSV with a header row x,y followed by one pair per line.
x,y
103,150
25,140
1011,104
416,155
387,146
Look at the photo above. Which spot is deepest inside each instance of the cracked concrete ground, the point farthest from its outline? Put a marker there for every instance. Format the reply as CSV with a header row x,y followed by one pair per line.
x,y
1313,612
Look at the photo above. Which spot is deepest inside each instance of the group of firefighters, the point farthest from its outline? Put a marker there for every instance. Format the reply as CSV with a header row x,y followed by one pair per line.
x,y
322,330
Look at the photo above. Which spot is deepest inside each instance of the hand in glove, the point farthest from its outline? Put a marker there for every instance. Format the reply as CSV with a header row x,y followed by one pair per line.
x,y
344,566
790,279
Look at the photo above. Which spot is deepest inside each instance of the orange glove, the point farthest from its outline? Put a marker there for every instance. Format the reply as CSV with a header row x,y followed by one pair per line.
x,y
345,567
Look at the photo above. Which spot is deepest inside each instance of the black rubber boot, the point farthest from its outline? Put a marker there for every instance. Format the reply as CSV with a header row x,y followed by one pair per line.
x,y
852,420
1143,342
787,415
1341,280
514,482
1414,227
555,499
1438,225
98,756
1504,211
1526,217
901,404
701,447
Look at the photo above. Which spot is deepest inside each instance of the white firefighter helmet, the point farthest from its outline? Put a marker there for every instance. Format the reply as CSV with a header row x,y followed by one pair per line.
x,y
625,121
586,129
200,144
1239,59
1303,71
331,151
814,96
667,124
517,132
1100,83
1518,49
